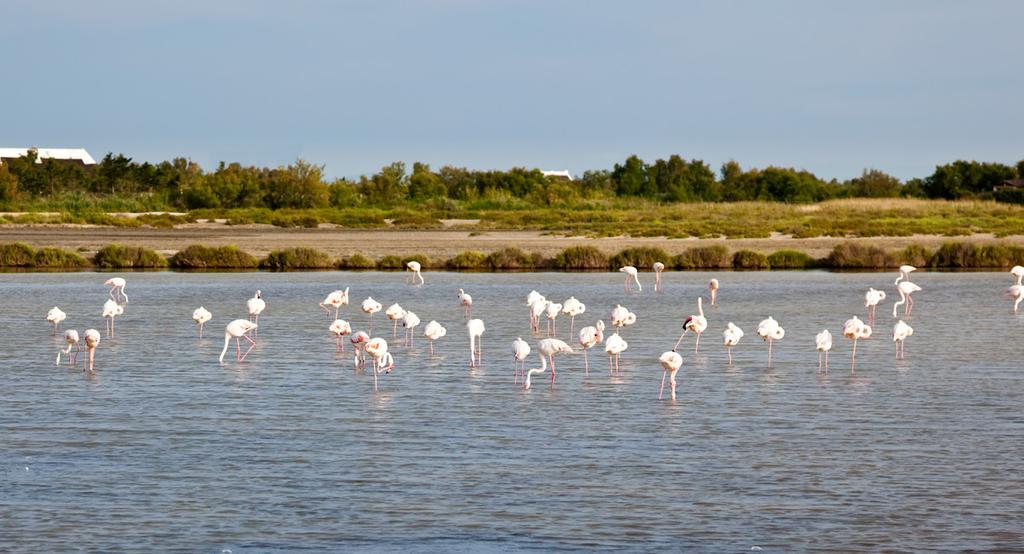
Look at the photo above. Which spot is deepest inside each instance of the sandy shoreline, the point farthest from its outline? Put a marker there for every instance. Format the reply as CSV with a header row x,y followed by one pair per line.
x,y
439,244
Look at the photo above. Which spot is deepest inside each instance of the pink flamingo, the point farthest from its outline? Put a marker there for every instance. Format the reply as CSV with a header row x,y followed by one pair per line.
x,y
670,363
631,273
476,331
340,329
520,350
550,347
238,329
336,300
92,340
590,336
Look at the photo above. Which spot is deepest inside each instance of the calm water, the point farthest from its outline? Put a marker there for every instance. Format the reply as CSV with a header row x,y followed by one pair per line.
x,y
165,449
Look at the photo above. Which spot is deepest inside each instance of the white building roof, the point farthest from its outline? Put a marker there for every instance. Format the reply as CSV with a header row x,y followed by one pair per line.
x,y
78,154
563,173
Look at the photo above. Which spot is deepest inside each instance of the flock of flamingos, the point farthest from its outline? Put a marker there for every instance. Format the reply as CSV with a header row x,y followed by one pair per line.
x,y
539,307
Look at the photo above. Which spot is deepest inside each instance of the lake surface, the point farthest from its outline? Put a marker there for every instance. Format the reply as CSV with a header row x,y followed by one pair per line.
x,y
164,449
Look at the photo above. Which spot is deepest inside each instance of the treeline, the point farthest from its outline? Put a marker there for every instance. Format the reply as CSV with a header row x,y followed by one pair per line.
x,y
952,255
181,184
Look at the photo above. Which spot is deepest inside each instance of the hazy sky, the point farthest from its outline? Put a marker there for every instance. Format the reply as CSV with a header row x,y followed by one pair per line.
x,y
832,87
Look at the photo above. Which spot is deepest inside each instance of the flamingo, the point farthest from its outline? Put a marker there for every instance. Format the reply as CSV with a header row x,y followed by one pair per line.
x,y
536,309
770,330
696,323
856,329
531,299
543,367
621,317
92,340
383,361
591,336
414,267
906,288
1016,292
520,350
467,302
201,315
111,309
551,312
614,345
731,337
116,285
55,316
410,321
630,272
395,313
713,288
658,268
905,273
336,300
340,329
900,332
670,363
434,331
476,331
255,306
573,308
238,329
71,339
823,342
871,299
371,306
1017,272
359,340
550,347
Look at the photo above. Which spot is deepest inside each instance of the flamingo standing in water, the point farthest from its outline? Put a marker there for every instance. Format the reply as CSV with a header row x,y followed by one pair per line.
x,y
71,339
520,350
255,306
536,310
370,306
550,347
731,337
823,342
713,289
434,331
871,299
467,302
855,329
476,331
238,329
201,315
696,323
1016,291
395,313
631,273
336,300
117,289
111,310
905,288
900,332
670,363
543,367
615,345
55,316
340,329
359,340
414,267
590,336
410,322
769,330
905,273
622,317
383,361
551,311
573,308
658,268
92,340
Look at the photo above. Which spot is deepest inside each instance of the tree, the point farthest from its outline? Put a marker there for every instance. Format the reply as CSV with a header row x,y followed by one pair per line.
x,y
424,184
962,178
630,178
387,186
8,185
300,185
873,183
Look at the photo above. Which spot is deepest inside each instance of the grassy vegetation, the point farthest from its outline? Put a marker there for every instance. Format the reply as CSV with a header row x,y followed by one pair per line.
x,y
579,258
54,258
297,258
129,257
198,256
791,259
748,259
704,257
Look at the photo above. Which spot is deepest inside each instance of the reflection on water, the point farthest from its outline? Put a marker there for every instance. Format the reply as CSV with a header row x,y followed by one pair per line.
x,y
165,448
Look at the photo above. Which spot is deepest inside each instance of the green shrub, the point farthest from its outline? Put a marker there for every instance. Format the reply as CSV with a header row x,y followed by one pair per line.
x,y
580,257
58,257
791,259
415,220
704,257
639,257
198,256
356,261
915,255
469,259
16,254
853,255
968,255
297,258
423,259
390,262
513,258
748,259
117,256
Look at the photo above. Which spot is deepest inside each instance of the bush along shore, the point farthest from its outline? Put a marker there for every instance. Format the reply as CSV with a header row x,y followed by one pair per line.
x,y
846,256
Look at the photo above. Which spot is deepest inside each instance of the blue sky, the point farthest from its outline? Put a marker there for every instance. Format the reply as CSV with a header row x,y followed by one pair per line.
x,y
827,86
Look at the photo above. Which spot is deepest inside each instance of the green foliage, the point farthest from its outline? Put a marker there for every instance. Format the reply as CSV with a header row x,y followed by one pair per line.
x,y
639,257
704,257
852,255
423,259
391,262
513,258
966,178
297,258
968,255
469,259
580,258
791,259
748,259
356,261
128,257
915,255
873,183
198,256
58,258
16,254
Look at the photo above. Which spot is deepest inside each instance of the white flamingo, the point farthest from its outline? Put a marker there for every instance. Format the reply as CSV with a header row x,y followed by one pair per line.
x,y
55,316
111,310
410,322
631,273
769,330
383,361
543,367
395,313
696,323
670,363
414,267
117,289
658,268
476,331
590,336
905,288
823,343
551,311
871,299
336,300
467,302
520,350
201,315
359,340
713,289
550,347
731,337
434,331
238,329
573,308
255,307
622,317
855,329
340,329
92,340
615,345
370,307
536,310
71,339
900,332
905,273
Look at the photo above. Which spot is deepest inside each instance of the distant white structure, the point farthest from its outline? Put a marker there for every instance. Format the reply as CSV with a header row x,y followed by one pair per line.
x,y
69,154
563,174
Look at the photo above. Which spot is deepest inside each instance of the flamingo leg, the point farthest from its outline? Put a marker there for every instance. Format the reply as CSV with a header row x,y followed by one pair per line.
x,y
610,370
853,359
251,346
697,348
586,363
826,360
551,359
618,358
769,352
730,355
661,391
820,354
572,325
